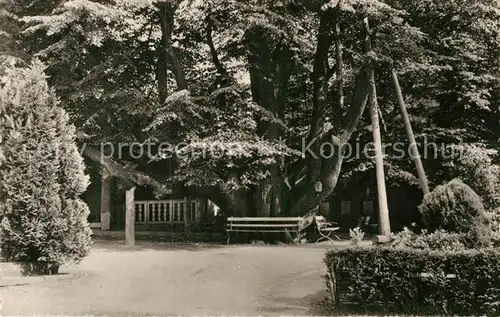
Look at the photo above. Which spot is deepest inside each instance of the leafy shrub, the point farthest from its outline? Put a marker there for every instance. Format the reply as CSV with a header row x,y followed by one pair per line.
x,y
406,280
455,207
42,176
438,240
356,235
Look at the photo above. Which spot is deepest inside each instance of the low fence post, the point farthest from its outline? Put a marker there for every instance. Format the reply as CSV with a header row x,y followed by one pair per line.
x,y
187,215
130,217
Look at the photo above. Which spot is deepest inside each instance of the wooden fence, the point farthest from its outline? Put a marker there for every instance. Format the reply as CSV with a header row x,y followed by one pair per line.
x,y
166,211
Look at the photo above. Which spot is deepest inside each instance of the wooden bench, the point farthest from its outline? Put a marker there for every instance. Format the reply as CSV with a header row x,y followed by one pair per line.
x,y
263,225
275,225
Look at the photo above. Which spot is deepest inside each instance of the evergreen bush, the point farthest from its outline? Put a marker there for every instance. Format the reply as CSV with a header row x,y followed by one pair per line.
x,y
455,207
44,221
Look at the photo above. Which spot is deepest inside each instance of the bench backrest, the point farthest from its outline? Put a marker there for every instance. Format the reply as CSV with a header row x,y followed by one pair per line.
x,y
276,220
262,223
271,219
264,219
277,224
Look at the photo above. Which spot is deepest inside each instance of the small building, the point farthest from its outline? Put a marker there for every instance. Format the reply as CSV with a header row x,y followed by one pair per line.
x,y
356,197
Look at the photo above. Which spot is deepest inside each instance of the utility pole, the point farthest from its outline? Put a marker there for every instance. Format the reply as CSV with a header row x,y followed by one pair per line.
x,y
383,214
415,155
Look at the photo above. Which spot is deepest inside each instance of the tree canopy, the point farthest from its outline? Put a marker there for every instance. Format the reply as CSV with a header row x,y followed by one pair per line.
x,y
262,79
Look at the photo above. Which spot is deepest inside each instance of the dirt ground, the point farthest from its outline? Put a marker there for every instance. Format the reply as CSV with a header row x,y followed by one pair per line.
x,y
158,279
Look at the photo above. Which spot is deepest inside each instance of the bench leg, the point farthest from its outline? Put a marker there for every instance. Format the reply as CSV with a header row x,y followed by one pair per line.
x,y
228,237
324,237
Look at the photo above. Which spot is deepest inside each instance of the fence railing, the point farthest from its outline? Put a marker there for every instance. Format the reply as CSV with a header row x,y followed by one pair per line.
x,y
166,211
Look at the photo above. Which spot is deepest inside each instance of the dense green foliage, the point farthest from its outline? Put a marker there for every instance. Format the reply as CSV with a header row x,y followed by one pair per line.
x,y
462,282
495,227
475,165
42,176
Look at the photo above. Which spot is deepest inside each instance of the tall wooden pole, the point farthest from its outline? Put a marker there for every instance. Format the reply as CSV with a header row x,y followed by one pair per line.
x,y
383,214
415,155
130,217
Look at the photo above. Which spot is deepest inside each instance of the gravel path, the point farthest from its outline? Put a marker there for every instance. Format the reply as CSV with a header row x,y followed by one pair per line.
x,y
114,280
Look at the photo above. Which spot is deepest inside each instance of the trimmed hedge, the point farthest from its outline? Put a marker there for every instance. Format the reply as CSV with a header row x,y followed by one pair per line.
x,y
454,282
437,240
495,227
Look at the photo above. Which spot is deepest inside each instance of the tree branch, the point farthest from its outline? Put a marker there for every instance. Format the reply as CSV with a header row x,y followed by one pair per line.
x,y
130,178
166,15
226,80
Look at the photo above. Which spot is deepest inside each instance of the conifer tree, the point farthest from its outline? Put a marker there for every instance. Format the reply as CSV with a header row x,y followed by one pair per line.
x,y
42,176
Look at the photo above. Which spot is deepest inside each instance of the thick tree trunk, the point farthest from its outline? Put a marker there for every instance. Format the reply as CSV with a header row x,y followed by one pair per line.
x,y
320,82
384,222
327,169
305,196
261,81
415,155
263,201
237,204
283,59
270,70
328,179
